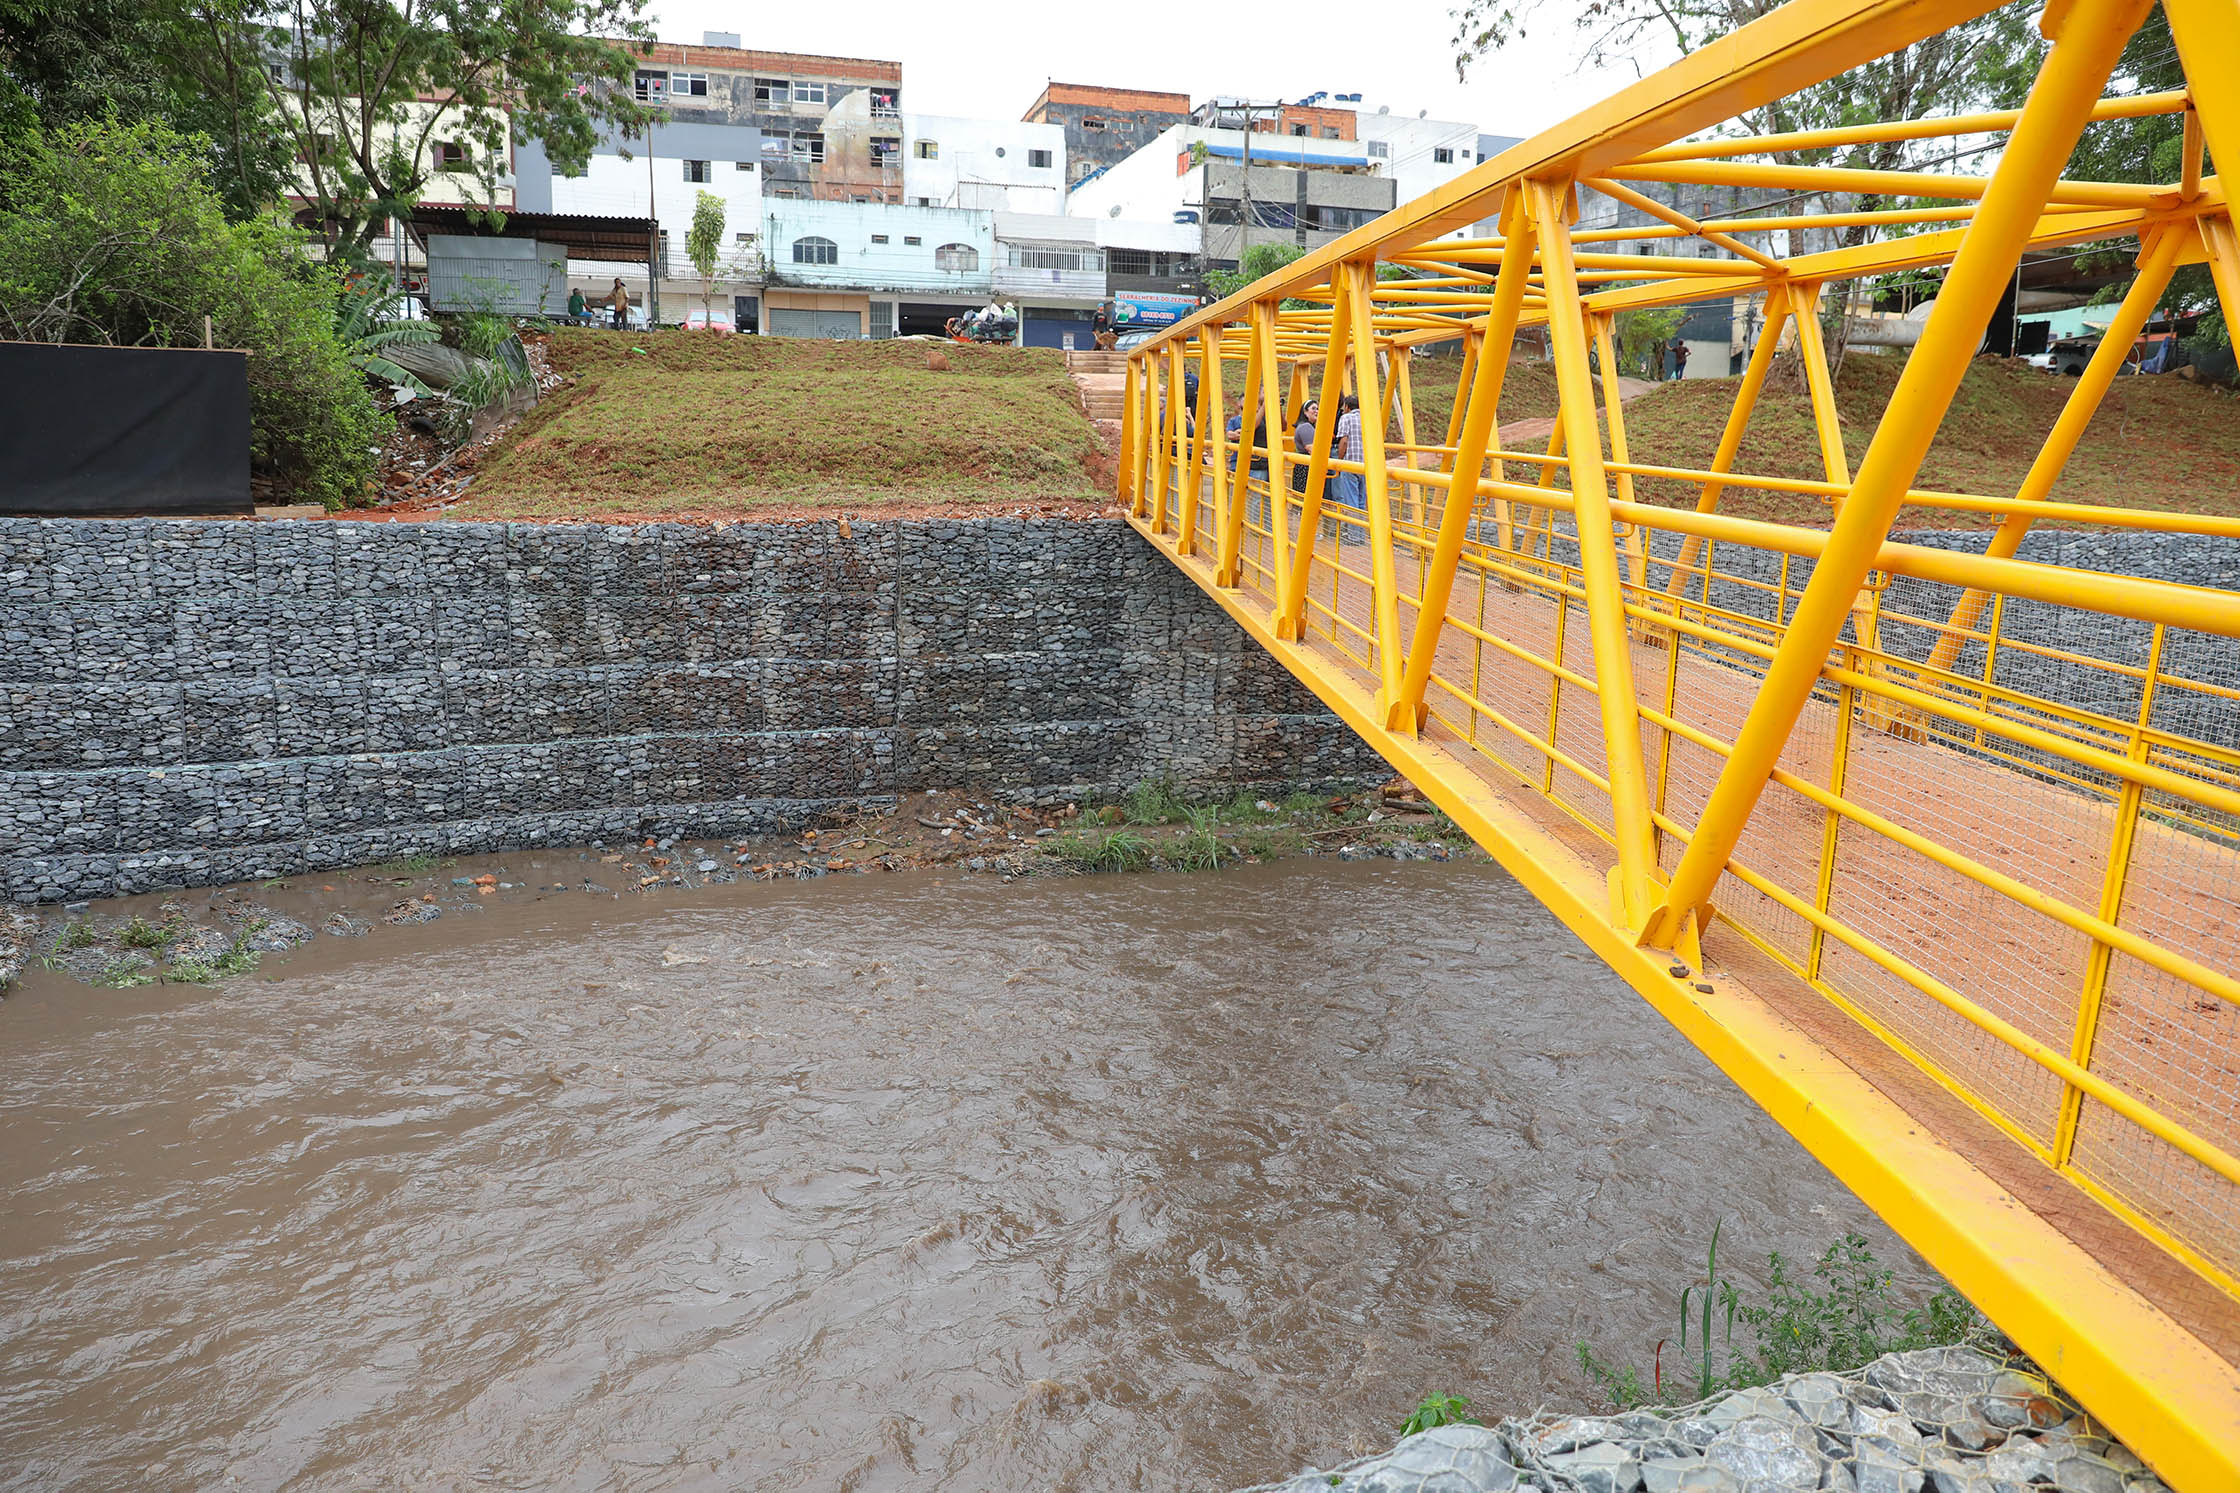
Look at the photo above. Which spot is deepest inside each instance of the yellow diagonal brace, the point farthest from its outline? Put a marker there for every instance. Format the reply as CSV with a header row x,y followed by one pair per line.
x,y
2075,71
1384,572
1598,560
1480,410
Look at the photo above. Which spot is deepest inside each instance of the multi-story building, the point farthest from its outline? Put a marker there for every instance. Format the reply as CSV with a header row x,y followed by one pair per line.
x,y
1419,154
659,175
830,127
858,269
1104,126
1303,191
999,166
1296,121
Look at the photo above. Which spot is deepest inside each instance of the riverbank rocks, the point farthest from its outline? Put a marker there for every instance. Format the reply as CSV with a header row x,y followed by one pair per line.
x,y
1942,1420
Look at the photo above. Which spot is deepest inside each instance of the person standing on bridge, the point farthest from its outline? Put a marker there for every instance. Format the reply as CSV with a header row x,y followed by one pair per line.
x,y
1346,488
1302,441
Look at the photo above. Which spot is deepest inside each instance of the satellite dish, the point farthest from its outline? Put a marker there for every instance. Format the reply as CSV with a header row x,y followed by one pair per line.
x,y
1420,113
1112,211
1384,108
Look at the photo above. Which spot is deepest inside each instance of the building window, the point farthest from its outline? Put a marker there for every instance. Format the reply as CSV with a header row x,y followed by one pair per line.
x,y
1442,155
921,202
1298,129
1329,132
885,151
929,150
1092,122
775,145
813,250
912,240
878,238
775,92
742,238
791,191
883,106
742,165
1378,150
808,93
699,171
688,85
451,155
1039,159
960,257
807,146
653,86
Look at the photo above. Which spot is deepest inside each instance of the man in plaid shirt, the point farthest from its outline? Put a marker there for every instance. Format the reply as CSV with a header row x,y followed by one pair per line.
x,y
1346,488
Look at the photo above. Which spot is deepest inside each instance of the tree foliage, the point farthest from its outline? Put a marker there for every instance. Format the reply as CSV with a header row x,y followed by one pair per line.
x,y
1258,260
366,93
63,62
704,242
115,235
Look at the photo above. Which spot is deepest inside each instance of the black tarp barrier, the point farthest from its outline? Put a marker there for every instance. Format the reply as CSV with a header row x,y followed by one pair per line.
x,y
93,431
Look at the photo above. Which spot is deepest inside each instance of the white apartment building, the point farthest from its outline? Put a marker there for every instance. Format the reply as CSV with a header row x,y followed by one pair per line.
x,y
985,164
1419,154
661,175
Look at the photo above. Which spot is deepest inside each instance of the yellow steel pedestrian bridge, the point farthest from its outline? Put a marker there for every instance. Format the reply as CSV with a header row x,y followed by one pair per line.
x,y
1935,853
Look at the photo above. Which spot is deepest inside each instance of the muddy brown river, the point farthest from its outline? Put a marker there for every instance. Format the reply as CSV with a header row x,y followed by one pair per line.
x,y
923,1182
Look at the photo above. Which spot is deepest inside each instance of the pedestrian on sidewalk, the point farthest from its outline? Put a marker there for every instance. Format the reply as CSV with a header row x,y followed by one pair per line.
x,y
619,299
1679,360
1101,328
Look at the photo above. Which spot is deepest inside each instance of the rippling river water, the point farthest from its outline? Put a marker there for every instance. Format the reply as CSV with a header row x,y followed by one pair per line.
x,y
1119,1182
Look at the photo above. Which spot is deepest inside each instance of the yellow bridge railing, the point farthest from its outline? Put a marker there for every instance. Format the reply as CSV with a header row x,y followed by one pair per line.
x,y
1935,852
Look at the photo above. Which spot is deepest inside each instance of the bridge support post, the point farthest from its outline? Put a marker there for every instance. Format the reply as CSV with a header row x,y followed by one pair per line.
x,y
2092,34
1621,454
1259,374
1598,558
1738,421
1471,432
1291,611
1384,569
1131,427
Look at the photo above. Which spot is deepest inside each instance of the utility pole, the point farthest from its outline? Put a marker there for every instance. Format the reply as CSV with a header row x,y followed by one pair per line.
x,y
653,240
1244,221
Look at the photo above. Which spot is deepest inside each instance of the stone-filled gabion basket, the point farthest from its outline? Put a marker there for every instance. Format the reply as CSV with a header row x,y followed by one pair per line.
x,y
1942,1420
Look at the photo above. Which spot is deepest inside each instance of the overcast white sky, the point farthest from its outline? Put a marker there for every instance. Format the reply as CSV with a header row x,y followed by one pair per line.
x,y
989,62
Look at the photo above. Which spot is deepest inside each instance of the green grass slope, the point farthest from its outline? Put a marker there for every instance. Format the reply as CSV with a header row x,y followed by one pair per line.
x,y
690,422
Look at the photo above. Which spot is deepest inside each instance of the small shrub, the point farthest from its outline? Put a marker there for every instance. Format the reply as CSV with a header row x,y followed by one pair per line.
x,y
1199,849
238,959
1121,850
77,935
1155,801
1439,1410
1852,1318
142,934
123,976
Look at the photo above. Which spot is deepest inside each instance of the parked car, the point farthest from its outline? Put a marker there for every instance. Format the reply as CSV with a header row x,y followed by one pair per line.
x,y
707,321
1131,340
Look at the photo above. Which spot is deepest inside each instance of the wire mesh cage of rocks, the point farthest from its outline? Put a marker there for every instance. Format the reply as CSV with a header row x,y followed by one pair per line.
x,y
1941,1420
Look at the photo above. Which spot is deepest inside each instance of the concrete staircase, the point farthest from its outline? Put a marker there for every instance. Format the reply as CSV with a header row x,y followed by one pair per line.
x,y
1103,381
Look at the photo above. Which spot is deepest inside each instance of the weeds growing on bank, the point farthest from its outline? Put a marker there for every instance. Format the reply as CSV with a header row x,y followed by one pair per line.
x,y
1846,1315
238,959
1138,829
1439,1410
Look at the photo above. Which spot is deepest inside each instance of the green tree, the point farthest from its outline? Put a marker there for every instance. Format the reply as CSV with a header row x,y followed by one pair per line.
x,y
374,97
114,235
1644,335
1257,260
704,243
63,62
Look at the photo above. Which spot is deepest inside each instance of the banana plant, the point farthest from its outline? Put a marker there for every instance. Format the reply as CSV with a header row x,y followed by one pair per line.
x,y
366,324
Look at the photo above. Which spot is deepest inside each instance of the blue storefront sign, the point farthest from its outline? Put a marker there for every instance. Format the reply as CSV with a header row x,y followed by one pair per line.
x,y
1135,310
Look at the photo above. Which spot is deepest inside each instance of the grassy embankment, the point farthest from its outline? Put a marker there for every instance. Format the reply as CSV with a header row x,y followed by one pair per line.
x,y
2155,443
685,422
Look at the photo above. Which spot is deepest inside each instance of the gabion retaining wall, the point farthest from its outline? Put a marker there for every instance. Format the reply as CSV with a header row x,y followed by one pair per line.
x,y
185,703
